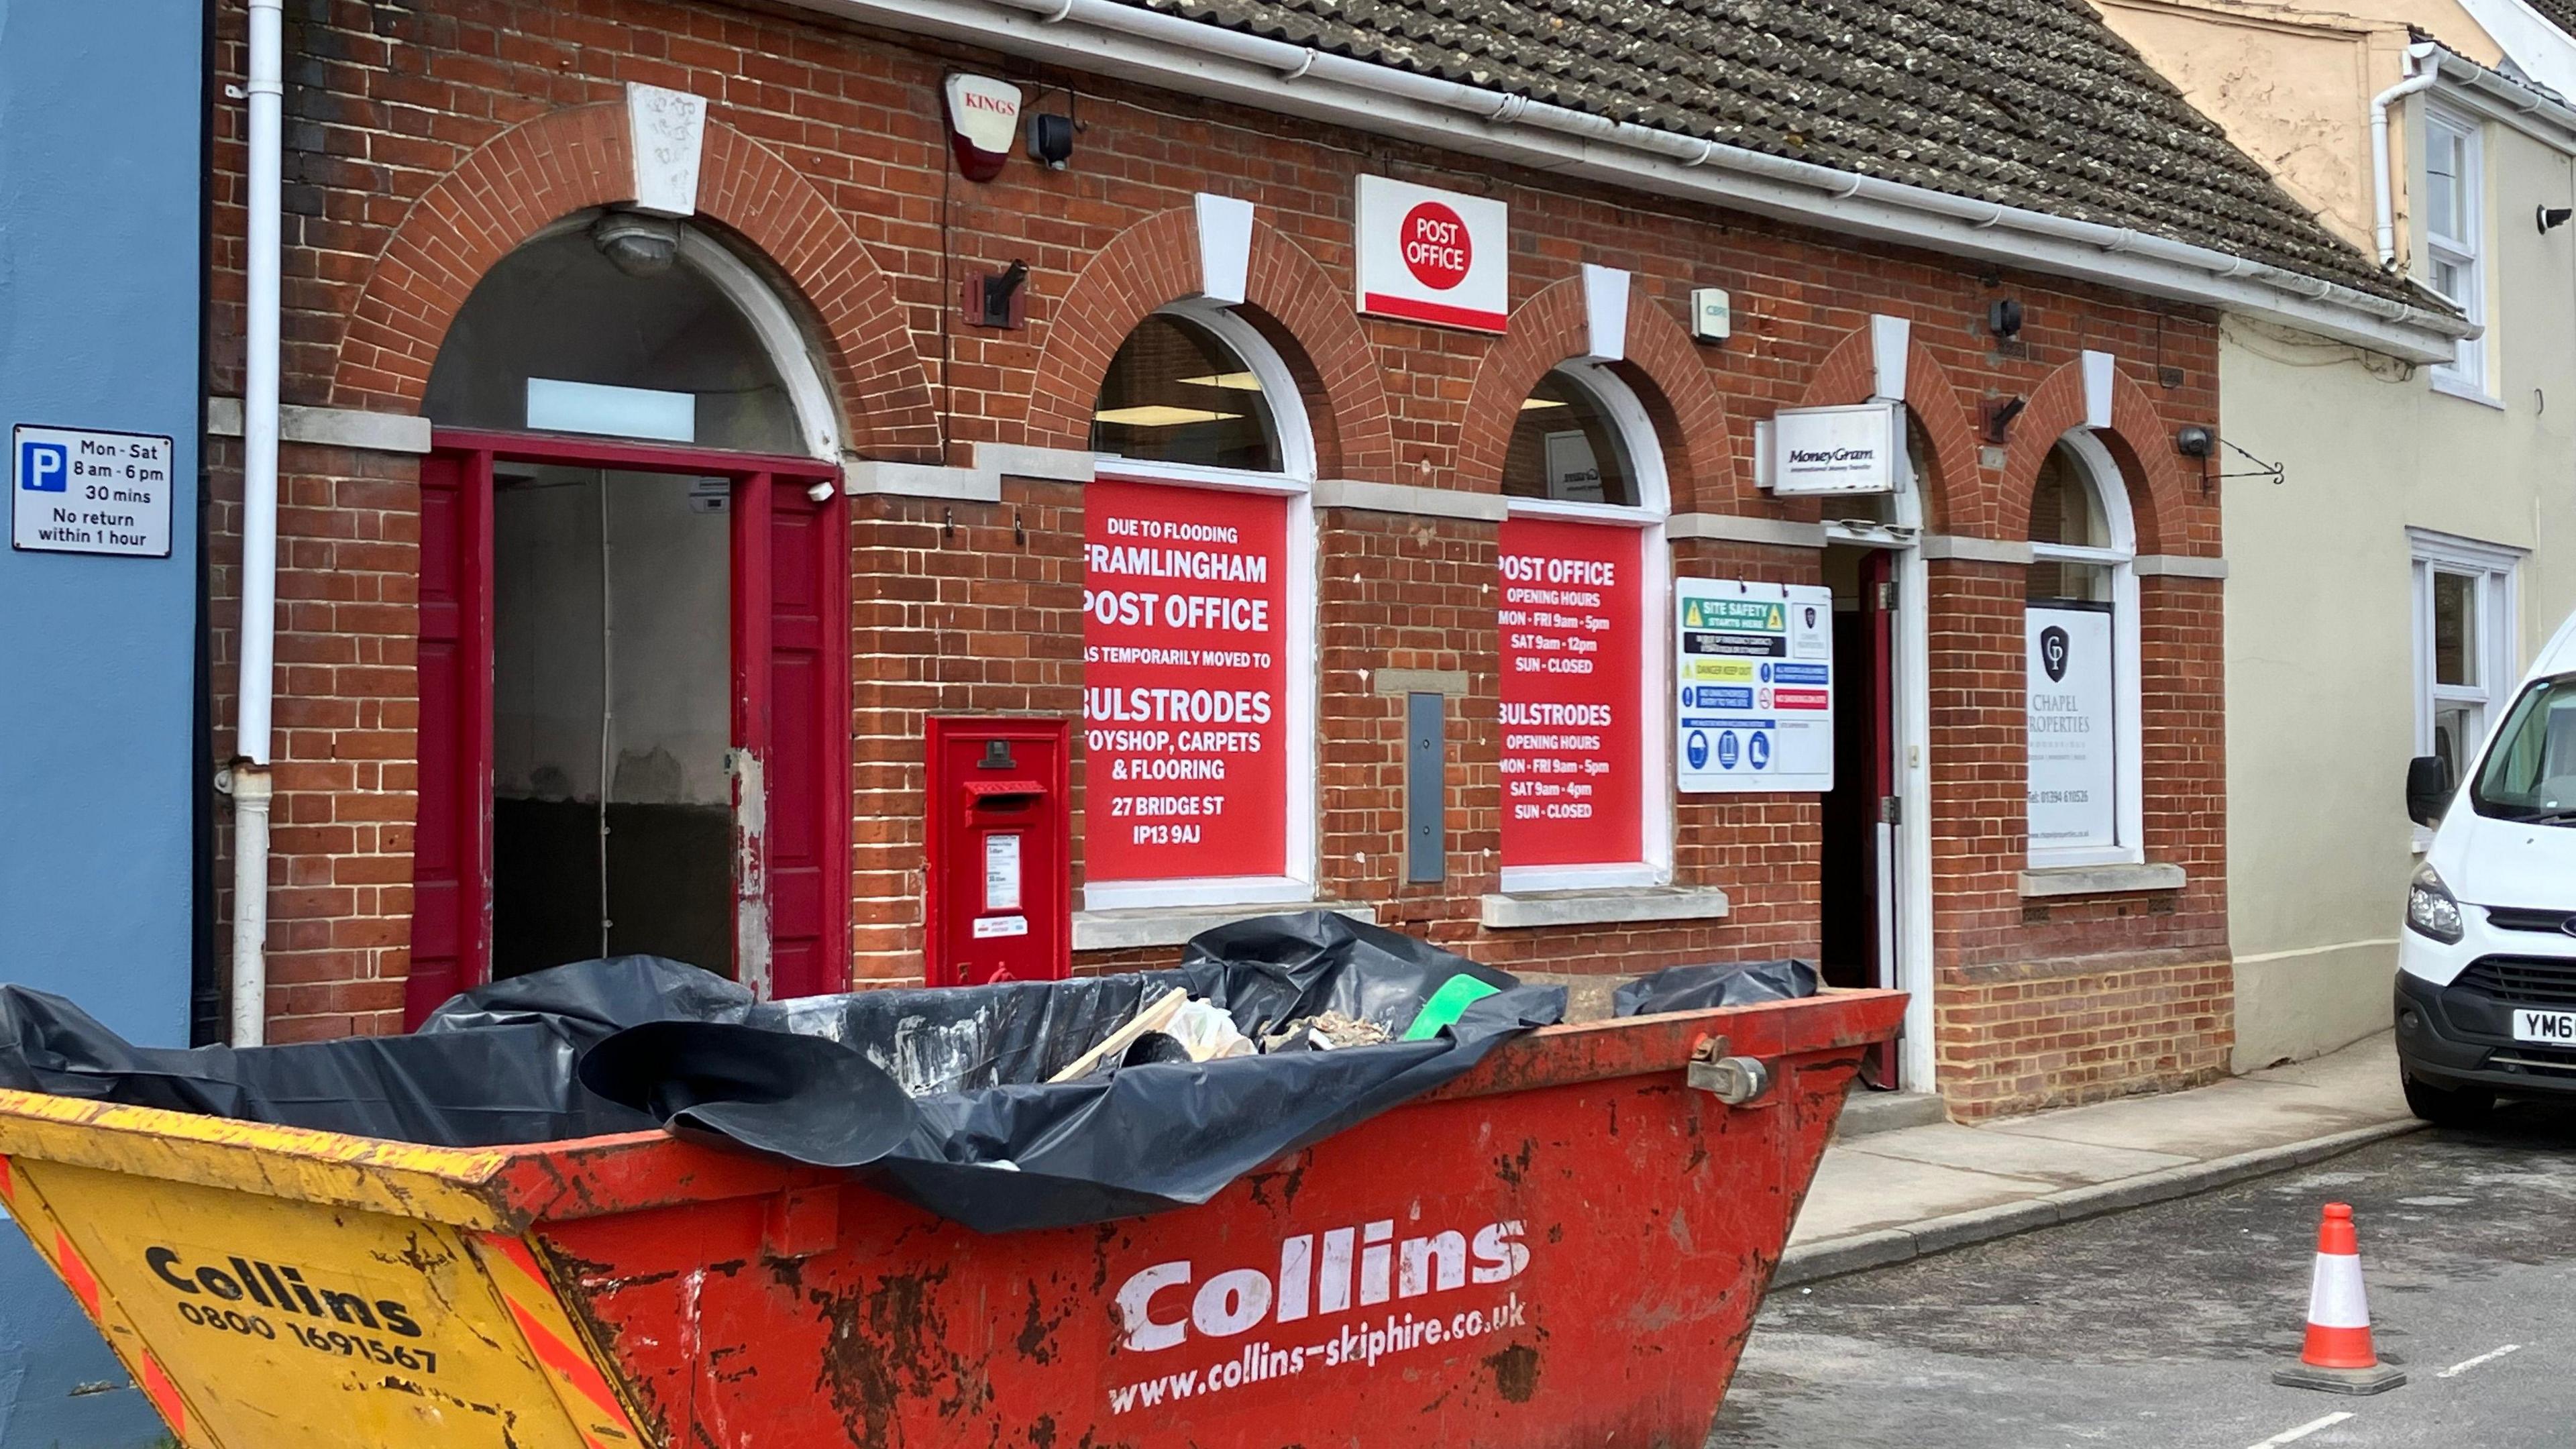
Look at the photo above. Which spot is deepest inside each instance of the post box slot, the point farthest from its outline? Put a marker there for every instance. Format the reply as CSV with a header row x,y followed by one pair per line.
x,y
1003,794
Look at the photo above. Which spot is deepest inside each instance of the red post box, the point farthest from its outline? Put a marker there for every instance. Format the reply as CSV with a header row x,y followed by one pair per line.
x,y
998,885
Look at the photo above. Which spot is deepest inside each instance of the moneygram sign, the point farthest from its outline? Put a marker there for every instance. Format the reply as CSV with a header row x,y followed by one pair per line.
x,y
1433,256
1835,450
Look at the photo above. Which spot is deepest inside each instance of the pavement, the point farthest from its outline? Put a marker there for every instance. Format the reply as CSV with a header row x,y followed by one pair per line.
x,y
2161,1327
1893,1196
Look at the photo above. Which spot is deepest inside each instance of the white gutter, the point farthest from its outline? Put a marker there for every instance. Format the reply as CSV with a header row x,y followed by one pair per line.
x,y
1108,37
2382,186
265,89
2550,122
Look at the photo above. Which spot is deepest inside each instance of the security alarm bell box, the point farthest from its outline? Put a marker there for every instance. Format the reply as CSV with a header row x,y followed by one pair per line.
x,y
998,891
1712,314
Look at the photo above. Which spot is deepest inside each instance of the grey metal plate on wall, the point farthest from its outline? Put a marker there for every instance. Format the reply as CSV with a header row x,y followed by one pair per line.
x,y
1426,832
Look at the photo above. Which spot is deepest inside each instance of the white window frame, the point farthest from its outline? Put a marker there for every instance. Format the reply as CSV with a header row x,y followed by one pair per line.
x,y
1296,483
1645,458
2098,471
2466,375
2497,568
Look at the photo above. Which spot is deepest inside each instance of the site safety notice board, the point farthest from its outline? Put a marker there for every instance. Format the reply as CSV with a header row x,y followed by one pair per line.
x,y
1753,671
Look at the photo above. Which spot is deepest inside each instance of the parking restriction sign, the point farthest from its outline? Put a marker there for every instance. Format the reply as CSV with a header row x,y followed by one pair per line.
x,y
85,490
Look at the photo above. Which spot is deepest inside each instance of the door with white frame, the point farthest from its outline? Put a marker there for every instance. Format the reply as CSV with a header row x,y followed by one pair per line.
x,y
1877,898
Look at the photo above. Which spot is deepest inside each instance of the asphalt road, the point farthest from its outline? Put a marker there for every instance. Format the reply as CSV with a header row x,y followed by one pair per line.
x,y
2160,1327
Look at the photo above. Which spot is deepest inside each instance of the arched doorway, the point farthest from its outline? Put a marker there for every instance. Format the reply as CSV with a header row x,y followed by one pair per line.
x,y
633,650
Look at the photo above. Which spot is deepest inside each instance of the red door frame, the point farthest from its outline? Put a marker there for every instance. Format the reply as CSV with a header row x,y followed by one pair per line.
x,y
800,630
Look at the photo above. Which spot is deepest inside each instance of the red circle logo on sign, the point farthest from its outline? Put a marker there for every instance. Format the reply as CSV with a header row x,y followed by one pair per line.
x,y
1436,248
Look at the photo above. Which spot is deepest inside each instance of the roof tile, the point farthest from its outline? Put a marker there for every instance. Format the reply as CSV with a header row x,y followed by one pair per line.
x,y
2028,103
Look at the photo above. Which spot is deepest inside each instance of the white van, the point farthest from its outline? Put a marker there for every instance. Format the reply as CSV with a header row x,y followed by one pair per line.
x,y
2486,967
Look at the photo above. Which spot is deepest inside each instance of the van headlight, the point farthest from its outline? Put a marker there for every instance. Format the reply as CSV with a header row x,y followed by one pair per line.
x,y
2430,908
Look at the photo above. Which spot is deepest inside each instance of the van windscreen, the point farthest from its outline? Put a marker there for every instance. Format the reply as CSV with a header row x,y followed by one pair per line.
x,y
2530,774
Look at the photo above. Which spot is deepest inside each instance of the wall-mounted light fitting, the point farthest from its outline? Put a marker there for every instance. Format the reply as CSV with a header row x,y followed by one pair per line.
x,y
1050,139
639,245
2003,318
2551,218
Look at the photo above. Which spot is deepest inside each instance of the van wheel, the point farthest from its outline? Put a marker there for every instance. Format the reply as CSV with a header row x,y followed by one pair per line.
x,y
2449,1106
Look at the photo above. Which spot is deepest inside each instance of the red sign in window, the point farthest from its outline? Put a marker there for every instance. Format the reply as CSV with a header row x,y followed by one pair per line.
x,y
1573,728
1185,675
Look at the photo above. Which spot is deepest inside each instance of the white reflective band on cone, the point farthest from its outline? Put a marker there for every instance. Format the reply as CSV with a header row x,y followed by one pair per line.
x,y
2335,1298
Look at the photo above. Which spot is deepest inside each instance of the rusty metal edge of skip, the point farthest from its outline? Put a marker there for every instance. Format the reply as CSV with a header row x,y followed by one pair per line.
x,y
505,1189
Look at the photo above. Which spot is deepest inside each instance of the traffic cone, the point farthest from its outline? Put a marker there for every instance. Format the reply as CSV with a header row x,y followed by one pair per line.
x,y
2338,1356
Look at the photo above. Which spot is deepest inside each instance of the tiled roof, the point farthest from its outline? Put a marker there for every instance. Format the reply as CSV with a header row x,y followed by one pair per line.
x,y
2029,103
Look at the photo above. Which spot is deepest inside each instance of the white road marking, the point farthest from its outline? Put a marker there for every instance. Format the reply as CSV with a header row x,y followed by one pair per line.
x,y
2464,1365
2304,1430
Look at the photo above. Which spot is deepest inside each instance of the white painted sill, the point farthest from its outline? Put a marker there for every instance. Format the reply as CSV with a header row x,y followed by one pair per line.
x,y
1532,909
2466,392
1148,926
2100,880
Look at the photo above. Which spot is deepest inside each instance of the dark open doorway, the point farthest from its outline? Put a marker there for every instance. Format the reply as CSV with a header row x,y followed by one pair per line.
x,y
633,713
612,809
1860,813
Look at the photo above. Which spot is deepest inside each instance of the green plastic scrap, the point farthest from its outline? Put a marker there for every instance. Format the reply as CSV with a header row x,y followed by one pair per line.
x,y
1446,1005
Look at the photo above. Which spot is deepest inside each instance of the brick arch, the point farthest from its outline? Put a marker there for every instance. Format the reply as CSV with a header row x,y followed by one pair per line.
x,y
1849,374
2155,484
1288,297
1663,365
569,160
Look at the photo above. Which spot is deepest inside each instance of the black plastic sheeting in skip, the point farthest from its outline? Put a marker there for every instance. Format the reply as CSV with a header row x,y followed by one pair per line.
x,y
937,1096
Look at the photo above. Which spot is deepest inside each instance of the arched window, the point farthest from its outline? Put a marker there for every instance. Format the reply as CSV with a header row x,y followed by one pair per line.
x,y
1198,625
2081,638
1179,392
1586,801
630,326
1567,447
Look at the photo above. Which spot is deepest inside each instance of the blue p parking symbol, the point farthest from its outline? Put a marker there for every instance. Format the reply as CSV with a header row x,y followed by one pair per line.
x,y
44,467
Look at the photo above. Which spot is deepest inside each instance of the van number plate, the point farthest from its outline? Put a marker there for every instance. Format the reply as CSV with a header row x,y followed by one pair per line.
x,y
2558,1028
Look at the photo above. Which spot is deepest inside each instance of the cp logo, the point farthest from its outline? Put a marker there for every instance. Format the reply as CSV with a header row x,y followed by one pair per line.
x,y
2052,652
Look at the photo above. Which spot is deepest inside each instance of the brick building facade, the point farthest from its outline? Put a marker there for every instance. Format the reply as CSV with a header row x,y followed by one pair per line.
x,y
429,142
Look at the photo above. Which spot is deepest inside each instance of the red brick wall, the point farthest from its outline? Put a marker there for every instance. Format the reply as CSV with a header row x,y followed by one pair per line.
x,y
340,825
428,140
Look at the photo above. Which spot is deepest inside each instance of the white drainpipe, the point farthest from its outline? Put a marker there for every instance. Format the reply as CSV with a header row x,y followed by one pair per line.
x,y
266,91
2382,185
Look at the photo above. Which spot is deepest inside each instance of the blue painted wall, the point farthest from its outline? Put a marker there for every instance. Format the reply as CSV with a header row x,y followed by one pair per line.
x,y
100,127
